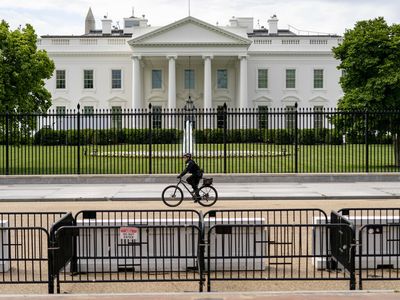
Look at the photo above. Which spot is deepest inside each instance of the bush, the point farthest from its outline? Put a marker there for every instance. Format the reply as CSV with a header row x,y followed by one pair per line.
x,y
284,136
333,137
307,137
48,136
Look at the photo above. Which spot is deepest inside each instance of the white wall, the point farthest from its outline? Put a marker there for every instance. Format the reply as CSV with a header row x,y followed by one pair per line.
x,y
102,95
276,95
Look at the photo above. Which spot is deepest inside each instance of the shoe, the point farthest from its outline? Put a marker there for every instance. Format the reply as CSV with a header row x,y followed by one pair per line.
x,y
196,199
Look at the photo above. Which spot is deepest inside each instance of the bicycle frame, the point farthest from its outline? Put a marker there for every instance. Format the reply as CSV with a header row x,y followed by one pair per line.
x,y
183,183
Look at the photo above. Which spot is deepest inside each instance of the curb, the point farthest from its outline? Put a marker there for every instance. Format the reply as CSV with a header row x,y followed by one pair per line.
x,y
221,178
244,198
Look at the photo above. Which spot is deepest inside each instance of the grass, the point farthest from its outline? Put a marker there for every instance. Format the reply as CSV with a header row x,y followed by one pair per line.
x,y
272,159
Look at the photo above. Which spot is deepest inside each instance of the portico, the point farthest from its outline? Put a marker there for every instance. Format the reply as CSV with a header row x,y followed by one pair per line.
x,y
189,57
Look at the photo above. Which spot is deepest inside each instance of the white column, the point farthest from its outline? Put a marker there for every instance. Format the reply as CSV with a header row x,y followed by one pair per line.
x,y
243,103
207,82
136,83
171,82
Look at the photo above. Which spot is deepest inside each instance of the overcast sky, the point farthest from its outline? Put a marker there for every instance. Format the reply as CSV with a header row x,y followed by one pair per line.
x,y
65,17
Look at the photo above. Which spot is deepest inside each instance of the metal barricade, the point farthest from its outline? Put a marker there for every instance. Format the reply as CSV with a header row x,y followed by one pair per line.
x,y
379,252
61,251
23,255
24,238
342,245
139,253
273,252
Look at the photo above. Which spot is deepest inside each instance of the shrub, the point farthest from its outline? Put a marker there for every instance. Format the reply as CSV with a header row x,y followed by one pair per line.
x,y
284,136
48,136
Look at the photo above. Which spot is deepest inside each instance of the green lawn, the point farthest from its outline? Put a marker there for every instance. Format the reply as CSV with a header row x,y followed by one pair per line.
x,y
241,158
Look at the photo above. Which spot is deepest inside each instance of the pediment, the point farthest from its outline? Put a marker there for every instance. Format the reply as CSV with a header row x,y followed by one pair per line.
x,y
319,99
189,31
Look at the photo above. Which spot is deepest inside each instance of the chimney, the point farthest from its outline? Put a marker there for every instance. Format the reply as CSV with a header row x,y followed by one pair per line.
x,y
106,25
273,25
233,22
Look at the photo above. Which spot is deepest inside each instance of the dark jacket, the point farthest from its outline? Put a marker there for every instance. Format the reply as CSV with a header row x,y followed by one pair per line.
x,y
192,168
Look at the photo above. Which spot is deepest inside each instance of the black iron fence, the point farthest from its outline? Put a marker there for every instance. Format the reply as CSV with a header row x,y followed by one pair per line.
x,y
183,245
223,140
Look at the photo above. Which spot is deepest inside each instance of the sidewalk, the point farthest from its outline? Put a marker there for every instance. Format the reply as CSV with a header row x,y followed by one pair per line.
x,y
235,190
338,295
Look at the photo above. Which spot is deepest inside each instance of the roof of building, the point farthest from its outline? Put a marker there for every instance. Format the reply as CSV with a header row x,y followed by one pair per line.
x,y
93,34
263,32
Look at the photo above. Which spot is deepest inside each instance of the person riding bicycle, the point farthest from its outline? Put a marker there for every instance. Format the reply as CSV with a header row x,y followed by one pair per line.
x,y
196,173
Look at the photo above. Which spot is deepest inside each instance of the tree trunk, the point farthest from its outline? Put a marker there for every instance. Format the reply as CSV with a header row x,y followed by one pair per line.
x,y
396,148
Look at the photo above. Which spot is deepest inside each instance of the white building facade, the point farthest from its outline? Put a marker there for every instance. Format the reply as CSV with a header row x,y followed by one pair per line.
x,y
238,65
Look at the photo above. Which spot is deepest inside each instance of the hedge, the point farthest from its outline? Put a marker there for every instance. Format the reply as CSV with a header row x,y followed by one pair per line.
x,y
48,136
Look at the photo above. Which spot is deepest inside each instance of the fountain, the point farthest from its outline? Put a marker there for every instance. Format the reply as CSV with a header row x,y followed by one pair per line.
x,y
188,139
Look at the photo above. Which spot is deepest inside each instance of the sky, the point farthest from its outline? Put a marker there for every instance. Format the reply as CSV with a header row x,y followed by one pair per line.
x,y
67,17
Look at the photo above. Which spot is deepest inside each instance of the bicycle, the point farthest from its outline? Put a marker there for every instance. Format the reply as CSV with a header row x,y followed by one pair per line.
x,y
172,195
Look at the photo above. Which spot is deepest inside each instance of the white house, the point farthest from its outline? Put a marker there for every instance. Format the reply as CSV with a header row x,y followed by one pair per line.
x,y
238,65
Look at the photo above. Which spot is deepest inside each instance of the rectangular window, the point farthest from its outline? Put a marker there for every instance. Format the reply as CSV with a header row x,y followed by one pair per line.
x,y
220,116
290,78
262,78
289,117
60,110
318,117
156,79
116,117
222,79
318,79
88,110
88,76
157,121
60,119
263,116
189,79
60,79
116,79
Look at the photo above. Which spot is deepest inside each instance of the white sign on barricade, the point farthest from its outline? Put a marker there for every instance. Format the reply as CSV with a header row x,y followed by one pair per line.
x,y
128,233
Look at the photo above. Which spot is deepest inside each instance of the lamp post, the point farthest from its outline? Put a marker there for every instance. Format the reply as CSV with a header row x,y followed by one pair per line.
x,y
190,108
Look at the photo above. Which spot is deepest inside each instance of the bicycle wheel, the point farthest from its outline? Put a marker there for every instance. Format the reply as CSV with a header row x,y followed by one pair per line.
x,y
208,196
172,196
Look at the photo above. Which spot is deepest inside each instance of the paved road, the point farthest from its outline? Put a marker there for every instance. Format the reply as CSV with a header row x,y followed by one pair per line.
x,y
227,191
222,296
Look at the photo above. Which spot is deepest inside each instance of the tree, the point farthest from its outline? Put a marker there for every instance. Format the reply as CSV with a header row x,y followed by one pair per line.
x,y
22,71
370,61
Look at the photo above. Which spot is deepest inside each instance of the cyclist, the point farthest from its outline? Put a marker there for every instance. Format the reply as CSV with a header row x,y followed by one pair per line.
x,y
196,174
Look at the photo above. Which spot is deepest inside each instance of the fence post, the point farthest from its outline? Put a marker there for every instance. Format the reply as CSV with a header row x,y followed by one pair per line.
x,y
7,143
296,142
353,258
150,137
50,265
225,133
78,154
201,252
366,142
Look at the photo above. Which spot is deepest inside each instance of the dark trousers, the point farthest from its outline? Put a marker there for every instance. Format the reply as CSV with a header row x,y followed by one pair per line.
x,y
193,181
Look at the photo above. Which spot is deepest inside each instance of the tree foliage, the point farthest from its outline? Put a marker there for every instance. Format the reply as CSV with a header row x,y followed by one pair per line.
x,y
23,69
370,60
